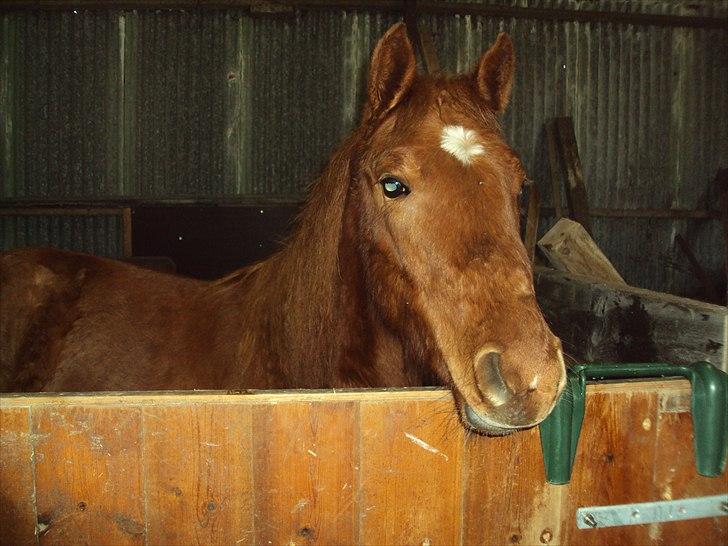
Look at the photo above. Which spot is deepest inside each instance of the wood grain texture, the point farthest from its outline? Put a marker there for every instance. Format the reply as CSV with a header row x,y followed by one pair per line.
x,y
613,465
197,473
576,195
675,477
88,475
569,248
410,474
304,465
17,489
606,322
506,498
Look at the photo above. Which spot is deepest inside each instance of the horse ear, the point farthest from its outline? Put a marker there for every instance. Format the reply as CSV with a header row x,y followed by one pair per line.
x,y
494,77
392,71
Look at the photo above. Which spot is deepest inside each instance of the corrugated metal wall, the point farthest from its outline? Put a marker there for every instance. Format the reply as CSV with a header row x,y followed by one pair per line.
x,y
219,105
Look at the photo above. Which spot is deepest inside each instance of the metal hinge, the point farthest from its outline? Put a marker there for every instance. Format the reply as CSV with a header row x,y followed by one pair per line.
x,y
616,515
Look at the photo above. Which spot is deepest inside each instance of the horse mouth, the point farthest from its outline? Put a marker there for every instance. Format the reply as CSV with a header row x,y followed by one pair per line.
x,y
482,424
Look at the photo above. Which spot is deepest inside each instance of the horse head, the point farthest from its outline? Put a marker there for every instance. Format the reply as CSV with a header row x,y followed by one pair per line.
x,y
437,189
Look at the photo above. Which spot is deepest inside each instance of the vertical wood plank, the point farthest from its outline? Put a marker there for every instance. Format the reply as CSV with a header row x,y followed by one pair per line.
x,y
410,473
613,464
305,482
127,233
507,499
17,491
88,475
576,195
197,477
677,478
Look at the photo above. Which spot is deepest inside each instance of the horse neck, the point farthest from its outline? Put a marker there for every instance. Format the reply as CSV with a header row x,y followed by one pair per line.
x,y
293,300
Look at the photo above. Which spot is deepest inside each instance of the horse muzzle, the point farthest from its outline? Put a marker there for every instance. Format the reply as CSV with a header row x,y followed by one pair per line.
x,y
509,401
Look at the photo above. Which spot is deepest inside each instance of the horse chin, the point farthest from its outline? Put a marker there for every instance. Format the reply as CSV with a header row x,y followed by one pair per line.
x,y
482,424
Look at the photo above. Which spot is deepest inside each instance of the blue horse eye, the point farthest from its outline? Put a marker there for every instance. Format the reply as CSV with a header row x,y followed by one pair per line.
x,y
393,187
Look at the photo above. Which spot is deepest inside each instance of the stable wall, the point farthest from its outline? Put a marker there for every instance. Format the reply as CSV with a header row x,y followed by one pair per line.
x,y
358,467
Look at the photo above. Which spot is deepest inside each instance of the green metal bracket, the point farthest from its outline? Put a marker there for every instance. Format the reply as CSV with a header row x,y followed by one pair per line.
x,y
709,405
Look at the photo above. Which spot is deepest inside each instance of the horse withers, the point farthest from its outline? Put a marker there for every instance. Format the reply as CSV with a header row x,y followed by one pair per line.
x,y
405,268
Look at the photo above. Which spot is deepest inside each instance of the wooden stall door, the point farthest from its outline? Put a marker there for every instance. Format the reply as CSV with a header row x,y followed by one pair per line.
x,y
360,467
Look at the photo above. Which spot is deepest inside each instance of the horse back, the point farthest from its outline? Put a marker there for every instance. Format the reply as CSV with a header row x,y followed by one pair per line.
x,y
73,322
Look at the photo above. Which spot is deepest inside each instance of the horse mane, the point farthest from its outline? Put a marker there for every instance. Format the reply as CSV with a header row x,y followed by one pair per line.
x,y
301,339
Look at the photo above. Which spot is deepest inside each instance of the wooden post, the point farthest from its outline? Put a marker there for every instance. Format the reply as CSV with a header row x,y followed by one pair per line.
x,y
575,188
421,38
554,169
126,227
532,219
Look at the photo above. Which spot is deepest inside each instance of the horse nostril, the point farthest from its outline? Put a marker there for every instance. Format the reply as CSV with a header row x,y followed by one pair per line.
x,y
490,379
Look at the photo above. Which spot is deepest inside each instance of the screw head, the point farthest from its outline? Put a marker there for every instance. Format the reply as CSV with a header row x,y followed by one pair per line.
x,y
590,520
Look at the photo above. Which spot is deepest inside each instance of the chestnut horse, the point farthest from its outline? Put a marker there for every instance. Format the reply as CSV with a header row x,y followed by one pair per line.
x,y
405,268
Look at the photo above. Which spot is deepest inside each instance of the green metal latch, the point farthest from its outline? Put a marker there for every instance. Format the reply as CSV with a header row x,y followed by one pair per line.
x,y
709,405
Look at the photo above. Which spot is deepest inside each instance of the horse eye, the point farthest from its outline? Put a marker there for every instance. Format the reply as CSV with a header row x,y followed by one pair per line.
x,y
393,187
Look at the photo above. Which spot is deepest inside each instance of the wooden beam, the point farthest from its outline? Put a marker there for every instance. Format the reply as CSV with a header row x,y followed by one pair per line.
x,y
570,249
668,214
432,7
576,195
421,37
532,220
126,225
60,211
555,169
610,322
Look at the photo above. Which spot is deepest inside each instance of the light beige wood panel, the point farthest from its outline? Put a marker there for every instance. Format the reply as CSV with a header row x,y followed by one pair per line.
x,y
197,472
613,464
17,523
507,498
304,472
676,477
411,455
88,475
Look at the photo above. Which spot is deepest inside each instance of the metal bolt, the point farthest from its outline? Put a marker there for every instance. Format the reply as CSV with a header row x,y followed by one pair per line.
x,y
724,506
636,514
590,520
546,536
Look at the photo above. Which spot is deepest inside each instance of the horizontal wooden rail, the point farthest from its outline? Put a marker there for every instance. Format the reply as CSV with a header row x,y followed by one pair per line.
x,y
425,7
93,208
346,467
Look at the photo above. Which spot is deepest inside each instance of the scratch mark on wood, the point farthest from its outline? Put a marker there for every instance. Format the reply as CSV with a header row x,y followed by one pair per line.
x,y
424,445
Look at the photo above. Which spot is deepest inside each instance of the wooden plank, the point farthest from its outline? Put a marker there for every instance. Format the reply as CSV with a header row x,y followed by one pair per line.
x,y
88,475
431,6
421,37
569,248
675,478
532,220
552,146
613,465
181,398
197,474
667,214
607,322
410,473
59,210
17,489
576,196
304,462
126,224
507,498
